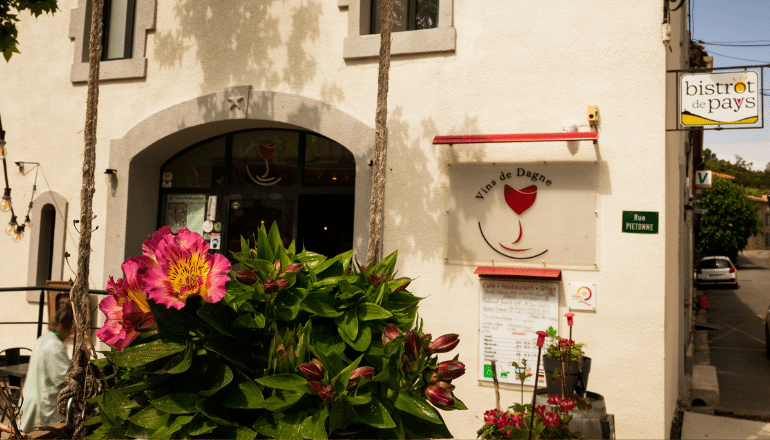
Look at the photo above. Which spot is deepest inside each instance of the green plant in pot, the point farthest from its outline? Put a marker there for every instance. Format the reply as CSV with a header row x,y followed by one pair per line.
x,y
565,364
294,345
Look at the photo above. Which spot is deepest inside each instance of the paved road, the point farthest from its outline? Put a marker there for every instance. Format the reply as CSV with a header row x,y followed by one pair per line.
x,y
738,349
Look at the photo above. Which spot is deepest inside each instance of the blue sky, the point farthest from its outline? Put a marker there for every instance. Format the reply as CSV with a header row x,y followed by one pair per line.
x,y
736,22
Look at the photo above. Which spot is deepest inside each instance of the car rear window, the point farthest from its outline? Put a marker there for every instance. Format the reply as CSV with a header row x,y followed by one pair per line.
x,y
714,264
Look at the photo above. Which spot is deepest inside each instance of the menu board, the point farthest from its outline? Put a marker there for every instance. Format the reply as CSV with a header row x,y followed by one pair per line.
x,y
511,314
186,211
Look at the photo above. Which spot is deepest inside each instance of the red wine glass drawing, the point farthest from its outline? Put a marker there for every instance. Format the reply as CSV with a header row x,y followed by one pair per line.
x,y
519,200
266,151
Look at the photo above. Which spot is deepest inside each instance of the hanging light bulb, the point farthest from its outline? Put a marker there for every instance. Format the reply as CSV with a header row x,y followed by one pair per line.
x,y
11,228
27,222
6,206
19,234
2,149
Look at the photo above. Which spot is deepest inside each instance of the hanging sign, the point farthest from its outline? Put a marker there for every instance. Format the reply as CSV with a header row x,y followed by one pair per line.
x,y
511,314
719,98
703,179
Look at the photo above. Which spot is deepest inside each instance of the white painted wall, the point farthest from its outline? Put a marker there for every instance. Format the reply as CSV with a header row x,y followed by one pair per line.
x,y
519,67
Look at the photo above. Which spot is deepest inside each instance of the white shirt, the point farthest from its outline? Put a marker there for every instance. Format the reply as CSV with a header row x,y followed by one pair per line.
x,y
45,377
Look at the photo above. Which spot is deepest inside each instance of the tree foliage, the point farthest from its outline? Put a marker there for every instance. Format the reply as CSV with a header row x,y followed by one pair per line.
x,y
731,219
755,182
9,16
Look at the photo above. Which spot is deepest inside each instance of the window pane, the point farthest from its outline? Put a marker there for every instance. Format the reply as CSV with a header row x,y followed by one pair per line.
x,y
400,16
408,15
246,216
328,163
427,14
200,167
325,224
116,37
184,211
265,158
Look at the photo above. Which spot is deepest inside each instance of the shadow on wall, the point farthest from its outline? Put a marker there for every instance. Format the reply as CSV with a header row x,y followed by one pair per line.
x,y
235,42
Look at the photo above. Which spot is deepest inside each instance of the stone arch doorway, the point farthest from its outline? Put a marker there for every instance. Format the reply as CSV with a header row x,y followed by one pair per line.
x,y
137,158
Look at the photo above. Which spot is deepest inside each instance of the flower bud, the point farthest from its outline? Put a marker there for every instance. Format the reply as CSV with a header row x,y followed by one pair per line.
x,y
446,386
355,377
444,343
246,277
407,364
281,283
253,254
325,392
376,279
294,268
312,371
270,286
438,396
569,318
449,370
390,333
412,344
541,337
277,266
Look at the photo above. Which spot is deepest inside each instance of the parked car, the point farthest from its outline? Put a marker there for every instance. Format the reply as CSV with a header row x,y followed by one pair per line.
x,y
716,269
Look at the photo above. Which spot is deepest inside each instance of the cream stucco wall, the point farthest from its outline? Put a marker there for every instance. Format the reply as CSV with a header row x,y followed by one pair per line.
x,y
518,67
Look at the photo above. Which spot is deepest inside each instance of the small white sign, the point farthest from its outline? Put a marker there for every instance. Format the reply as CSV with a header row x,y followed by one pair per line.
x,y
703,179
719,98
581,296
216,241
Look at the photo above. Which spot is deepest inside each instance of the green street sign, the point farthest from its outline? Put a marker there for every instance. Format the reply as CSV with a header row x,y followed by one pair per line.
x,y
640,222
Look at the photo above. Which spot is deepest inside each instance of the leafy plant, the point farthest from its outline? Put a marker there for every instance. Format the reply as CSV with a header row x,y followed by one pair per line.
x,y
9,12
295,345
731,219
561,348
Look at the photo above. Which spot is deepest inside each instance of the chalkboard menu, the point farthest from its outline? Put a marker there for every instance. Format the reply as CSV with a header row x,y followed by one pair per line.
x,y
511,314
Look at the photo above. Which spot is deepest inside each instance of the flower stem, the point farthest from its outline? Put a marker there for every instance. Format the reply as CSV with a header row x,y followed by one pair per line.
x,y
569,354
534,394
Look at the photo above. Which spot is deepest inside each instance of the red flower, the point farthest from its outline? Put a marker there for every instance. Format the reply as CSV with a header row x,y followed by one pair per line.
x,y
376,279
325,392
356,375
312,371
439,396
490,417
412,344
444,343
554,399
551,419
567,405
541,337
246,277
569,318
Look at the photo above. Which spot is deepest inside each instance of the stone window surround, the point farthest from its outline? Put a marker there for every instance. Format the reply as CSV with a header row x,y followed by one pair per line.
x,y
59,204
360,44
135,67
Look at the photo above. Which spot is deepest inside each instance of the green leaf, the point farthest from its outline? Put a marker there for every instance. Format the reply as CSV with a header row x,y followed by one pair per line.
x,y
200,425
285,381
374,414
234,432
314,425
321,304
140,355
348,323
369,312
165,432
400,301
171,325
115,406
289,426
136,431
264,250
177,403
218,375
287,304
217,316
93,420
340,416
407,401
327,340
150,418
242,393
101,363
232,350
335,280
419,429
360,400
264,427
340,380
249,320
274,238
281,400
181,362
214,412
361,343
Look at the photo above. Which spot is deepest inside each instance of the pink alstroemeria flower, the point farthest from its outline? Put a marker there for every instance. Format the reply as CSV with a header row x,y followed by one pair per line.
x,y
184,268
126,308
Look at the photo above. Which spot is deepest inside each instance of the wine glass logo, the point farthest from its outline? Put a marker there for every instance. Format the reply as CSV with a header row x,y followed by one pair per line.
x,y
519,200
266,152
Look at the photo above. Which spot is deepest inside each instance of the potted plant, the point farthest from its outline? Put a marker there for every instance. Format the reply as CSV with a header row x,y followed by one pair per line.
x,y
294,345
565,364
528,421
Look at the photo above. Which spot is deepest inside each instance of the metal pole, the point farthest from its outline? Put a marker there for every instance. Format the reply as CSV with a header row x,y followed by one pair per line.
x,y
40,314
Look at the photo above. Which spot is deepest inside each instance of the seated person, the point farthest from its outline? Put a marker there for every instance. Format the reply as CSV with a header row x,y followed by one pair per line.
x,y
47,370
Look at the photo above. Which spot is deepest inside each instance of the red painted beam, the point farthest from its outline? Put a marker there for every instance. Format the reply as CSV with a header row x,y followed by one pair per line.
x,y
523,137
554,274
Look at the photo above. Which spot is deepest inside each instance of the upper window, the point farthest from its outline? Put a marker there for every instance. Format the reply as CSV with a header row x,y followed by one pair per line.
x,y
419,26
408,15
124,33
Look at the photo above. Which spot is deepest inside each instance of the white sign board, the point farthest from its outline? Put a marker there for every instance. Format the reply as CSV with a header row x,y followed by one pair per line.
x,y
581,296
186,211
511,314
719,98
703,179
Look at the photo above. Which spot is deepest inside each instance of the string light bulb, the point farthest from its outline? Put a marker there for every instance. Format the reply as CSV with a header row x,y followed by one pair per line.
x,y
27,222
6,206
19,234
2,149
11,228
